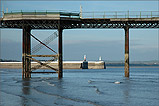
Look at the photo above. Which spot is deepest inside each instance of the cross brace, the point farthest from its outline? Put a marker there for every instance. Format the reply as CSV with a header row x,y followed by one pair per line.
x,y
43,64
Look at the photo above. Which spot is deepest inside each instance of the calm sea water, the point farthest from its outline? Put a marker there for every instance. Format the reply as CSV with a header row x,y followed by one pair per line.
x,y
81,88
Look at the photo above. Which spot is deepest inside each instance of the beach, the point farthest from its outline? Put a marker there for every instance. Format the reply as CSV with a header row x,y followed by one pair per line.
x,y
81,87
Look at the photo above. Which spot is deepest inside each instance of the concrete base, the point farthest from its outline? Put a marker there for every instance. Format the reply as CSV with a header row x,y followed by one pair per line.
x,y
66,65
84,65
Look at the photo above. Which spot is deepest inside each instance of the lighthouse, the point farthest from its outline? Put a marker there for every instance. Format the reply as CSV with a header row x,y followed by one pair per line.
x,y
84,65
84,58
100,58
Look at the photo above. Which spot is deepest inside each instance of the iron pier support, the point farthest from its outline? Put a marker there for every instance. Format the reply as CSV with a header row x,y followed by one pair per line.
x,y
26,47
126,51
60,63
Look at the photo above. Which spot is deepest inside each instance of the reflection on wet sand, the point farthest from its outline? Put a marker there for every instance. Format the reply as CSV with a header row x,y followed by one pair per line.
x,y
25,91
126,90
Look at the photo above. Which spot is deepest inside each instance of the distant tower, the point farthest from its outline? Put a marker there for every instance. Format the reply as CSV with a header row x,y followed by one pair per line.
x,y
84,57
100,58
80,11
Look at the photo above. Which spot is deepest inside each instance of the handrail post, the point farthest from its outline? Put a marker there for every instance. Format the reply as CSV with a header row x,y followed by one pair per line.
x,y
7,10
104,15
3,13
93,14
80,11
128,13
11,13
140,14
151,14
116,14
21,13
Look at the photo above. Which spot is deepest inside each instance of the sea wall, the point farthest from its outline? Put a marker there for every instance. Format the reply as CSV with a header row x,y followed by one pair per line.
x,y
66,65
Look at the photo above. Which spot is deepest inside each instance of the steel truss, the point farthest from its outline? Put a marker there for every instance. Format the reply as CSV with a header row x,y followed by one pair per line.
x,y
79,23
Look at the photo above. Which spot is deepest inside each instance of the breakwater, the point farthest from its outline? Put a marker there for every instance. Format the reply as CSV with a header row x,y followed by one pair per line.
x,y
66,65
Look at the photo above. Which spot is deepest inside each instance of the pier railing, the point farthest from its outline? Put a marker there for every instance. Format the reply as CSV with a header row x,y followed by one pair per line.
x,y
40,13
95,14
121,14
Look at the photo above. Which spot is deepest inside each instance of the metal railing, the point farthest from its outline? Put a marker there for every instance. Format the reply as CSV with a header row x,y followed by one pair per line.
x,y
96,14
42,12
121,14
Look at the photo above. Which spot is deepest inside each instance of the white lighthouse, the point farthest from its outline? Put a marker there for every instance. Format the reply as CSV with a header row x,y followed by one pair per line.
x,y
84,57
100,58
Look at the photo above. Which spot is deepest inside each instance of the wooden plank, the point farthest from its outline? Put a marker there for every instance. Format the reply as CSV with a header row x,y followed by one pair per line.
x,y
43,64
39,66
42,55
43,72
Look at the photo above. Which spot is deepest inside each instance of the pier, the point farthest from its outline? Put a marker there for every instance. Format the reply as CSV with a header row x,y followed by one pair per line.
x,y
28,21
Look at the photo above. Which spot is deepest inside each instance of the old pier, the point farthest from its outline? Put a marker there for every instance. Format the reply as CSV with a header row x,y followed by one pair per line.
x,y
28,21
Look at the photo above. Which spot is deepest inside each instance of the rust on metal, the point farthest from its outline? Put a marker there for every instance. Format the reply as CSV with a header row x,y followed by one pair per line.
x,y
126,51
42,43
43,64
60,63
27,57
46,41
46,62
26,67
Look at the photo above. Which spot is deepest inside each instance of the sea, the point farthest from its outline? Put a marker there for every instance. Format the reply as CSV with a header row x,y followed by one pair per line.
x,y
81,87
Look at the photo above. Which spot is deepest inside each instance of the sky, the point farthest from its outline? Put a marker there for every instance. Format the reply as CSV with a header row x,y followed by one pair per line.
x,y
108,43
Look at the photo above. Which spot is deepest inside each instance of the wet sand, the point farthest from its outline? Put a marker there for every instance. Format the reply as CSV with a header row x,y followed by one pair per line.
x,y
81,88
